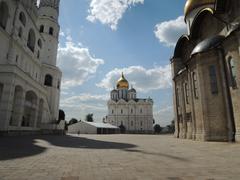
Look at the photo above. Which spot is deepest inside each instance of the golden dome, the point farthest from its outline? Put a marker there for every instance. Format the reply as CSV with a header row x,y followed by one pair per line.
x,y
122,83
193,4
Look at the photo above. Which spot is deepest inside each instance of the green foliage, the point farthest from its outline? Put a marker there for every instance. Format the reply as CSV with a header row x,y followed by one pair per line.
x,y
73,121
157,129
61,115
89,118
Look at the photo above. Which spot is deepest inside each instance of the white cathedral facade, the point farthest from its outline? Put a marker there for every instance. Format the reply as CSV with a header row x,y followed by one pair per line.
x,y
29,78
129,113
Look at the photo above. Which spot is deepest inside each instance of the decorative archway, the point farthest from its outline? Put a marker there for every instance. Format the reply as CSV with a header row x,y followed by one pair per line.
x,y
30,109
16,109
40,113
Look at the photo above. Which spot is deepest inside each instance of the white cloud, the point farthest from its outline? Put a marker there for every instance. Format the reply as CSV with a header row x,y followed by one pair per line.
x,y
84,97
109,11
168,32
79,106
164,115
142,79
77,64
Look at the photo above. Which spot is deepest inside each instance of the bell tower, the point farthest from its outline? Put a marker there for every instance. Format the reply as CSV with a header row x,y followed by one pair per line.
x,y
49,29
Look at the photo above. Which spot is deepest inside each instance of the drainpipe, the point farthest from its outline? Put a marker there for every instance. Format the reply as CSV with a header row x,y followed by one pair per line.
x,y
229,99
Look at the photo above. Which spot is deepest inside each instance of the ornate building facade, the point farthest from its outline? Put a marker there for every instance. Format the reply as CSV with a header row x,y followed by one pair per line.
x,y
129,113
206,72
29,78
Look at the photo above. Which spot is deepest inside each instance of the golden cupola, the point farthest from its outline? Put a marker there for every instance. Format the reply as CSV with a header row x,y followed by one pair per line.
x,y
194,4
122,83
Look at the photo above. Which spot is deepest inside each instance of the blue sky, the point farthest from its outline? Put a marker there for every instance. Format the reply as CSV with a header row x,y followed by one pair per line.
x,y
101,38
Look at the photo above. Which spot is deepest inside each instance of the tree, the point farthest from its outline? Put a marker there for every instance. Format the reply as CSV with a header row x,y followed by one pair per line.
x,y
122,129
171,127
73,121
157,128
61,115
89,117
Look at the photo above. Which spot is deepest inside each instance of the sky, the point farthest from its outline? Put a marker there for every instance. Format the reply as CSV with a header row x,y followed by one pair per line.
x,y
99,39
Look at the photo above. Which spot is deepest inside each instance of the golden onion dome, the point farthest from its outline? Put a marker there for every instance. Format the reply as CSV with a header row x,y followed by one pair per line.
x,y
122,83
193,4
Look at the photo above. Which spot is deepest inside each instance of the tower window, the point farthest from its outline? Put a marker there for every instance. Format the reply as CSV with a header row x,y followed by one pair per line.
x,y
195,85
140,110
213,79
51,31
112,111
48,80
22,18
131,110
131,123
177,97
31,40
16,58
233,72
41,29
121,111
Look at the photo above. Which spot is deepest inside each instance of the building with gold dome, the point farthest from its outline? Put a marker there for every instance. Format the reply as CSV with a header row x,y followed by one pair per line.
x,y
129,113
206,72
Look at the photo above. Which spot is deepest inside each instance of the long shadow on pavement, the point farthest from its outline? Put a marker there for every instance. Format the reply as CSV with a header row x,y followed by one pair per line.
x,y
25,146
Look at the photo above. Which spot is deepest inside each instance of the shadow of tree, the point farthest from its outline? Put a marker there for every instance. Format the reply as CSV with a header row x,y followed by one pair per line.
x,y
25,146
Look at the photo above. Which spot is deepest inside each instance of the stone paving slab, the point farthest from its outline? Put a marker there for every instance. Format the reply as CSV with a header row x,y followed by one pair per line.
x,y
116,157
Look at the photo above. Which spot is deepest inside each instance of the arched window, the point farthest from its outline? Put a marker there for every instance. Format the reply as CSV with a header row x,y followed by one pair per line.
x,y
177,97
40,43
213,79
195,84
31,40
22,18
48,80
121,111
3,15
233,72
51,31
41,29
186,92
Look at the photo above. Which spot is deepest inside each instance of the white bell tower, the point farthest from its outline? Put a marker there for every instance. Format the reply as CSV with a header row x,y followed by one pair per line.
x,y
49,28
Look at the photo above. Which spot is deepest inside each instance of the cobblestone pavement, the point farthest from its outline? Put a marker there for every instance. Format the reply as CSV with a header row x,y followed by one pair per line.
x,y
116,157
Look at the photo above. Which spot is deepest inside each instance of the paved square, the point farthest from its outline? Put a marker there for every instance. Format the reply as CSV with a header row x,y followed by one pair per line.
x,y
116,157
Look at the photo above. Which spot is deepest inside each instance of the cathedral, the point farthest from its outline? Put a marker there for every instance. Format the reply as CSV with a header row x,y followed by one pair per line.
x,y
129,113
206,72
29,78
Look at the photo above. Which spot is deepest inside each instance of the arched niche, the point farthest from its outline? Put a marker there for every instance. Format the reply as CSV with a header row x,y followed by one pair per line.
x,y
4,13
31,40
